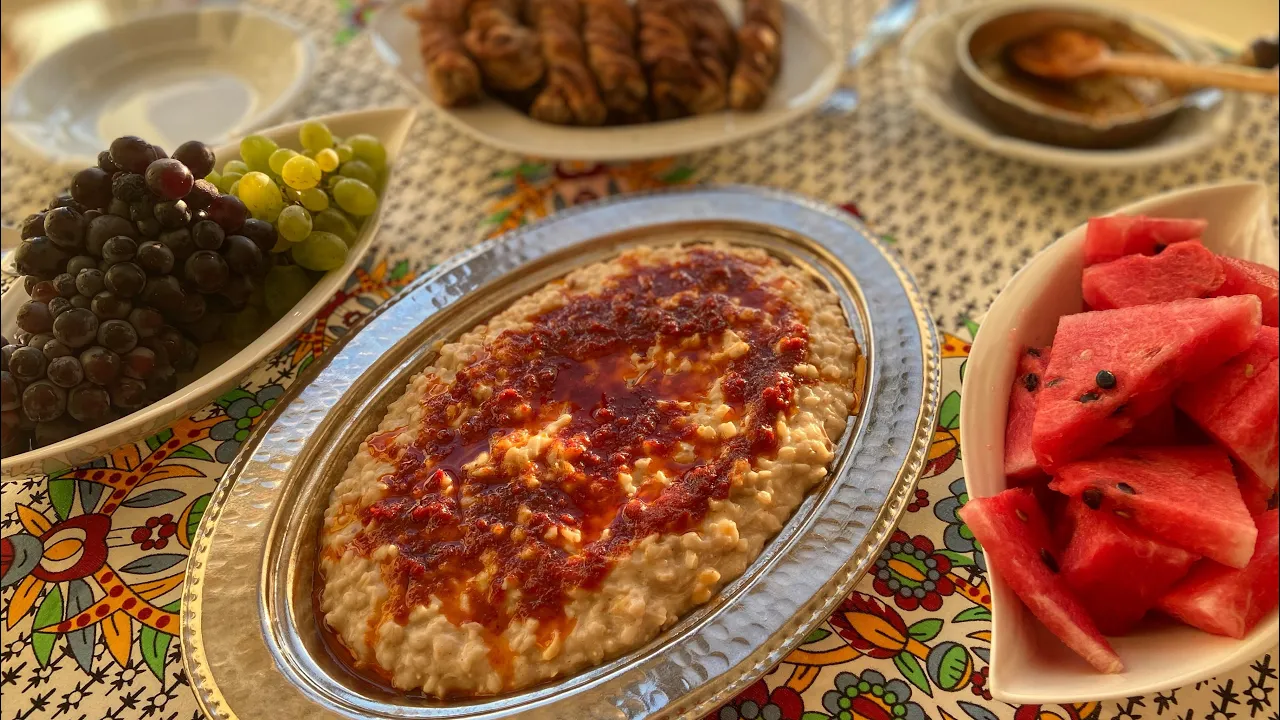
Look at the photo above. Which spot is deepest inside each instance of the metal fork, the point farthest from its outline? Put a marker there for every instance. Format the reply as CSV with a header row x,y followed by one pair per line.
x,y
886,26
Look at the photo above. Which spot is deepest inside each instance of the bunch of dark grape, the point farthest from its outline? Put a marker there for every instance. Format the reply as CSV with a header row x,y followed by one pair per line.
x,y
128,274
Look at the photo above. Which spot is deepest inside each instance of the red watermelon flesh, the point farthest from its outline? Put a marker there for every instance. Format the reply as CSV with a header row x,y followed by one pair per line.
x,y
1116,570
1015,538
1236,405
1019,461
1185,270
1257,496
1148,349
1185,496
1113,237
1227,601
1158,427
1249,278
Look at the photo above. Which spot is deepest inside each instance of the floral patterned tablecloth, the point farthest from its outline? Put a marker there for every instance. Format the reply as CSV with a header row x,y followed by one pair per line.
x,y
93,558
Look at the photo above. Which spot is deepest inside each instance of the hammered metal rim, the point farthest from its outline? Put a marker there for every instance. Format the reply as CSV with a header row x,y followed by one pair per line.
x,y
764,654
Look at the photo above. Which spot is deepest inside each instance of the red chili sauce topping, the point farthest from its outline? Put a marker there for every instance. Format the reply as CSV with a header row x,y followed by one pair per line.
x,y
577,359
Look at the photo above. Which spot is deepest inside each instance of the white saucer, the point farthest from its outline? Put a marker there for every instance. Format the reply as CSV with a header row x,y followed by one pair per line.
x,y
205,74
929,68
809,72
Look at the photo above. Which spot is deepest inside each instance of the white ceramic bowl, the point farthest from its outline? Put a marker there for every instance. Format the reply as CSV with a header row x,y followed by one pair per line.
x,y
1029,665
930,68
810,70
206,73
221,366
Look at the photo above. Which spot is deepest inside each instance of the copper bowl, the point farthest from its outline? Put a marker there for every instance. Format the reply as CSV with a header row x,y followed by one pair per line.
x,y
984,38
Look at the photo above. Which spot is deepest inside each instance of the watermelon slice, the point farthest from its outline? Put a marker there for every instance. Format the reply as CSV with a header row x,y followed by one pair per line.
x,y
1237,405
1117,571
1226,601
1146,350
1185,270
1015,537
1019,461
1113,237
1257,496
1185,496
1248,278
1158,427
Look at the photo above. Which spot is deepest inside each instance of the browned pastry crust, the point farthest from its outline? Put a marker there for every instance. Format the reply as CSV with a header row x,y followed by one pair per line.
x,y
569,96
507,51
609,29
760,52
687,47
452,78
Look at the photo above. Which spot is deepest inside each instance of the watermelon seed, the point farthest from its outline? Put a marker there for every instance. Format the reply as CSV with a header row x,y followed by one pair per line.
x,y
1047,558
1105,379
1126,488
1159,248
1021,515
1033,352
1123,513
1093,498
1054,382
1031,381
1119,409
1088,397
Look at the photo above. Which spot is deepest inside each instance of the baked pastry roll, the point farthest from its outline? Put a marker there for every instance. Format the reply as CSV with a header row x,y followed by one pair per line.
x,y
609,30
569,95
452,77
759,54
507,51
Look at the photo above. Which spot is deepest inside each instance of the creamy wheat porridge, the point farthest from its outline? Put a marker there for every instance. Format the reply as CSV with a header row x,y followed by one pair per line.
x,y
567,480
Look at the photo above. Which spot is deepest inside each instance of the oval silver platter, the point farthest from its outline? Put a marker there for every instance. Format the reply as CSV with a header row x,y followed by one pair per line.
x,y
250,639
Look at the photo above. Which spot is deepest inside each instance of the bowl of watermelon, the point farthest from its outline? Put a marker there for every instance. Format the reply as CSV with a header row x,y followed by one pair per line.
x,y
1119,440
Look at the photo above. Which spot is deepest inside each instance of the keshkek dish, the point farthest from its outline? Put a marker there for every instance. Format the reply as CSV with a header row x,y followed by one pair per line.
x,y
566,480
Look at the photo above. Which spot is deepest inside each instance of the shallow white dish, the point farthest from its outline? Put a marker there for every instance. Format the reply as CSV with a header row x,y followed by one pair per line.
x,y
1028,664
930,66
221,366
810,70
208,74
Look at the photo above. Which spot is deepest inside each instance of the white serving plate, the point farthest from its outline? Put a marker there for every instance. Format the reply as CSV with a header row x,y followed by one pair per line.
x,y
221,366
206,73
929,65
809,72
1028,664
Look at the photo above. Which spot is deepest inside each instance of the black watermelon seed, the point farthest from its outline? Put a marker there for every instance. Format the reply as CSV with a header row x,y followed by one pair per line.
x,y
1105,379
1123,513
1021,515
1031,381
1088,397
1047,558
1054,382
1033,352
1092,498
1120,409
1126,488
1159,248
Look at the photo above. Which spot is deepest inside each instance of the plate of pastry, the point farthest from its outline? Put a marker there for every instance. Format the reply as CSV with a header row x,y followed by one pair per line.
x,y
609,79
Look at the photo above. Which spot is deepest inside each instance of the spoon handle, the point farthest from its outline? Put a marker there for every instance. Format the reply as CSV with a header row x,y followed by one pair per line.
x,y
1227,77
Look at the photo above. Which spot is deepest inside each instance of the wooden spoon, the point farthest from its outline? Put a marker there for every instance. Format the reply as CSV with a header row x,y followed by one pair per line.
x,y
1065,54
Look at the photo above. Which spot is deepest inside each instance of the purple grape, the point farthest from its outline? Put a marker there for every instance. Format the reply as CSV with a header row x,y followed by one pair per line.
x,y
65,371
132,154
34,317
139,363
59,305
88,403
196,156
104,228
10,395
65,227
163,293
179,243
229,212
90,281
208,235
161,383
38,340
82,301
76,327
172,214
261,232
120,248
207,270
155,257
169,179
192,308
42,401
202,194
108,306
27,364
39,257
237,292
125,279
128,394
54,349
146,321
243,255
119,208
33,225
129,187
91,187
105,164
101,366
65,283
117,336
149,227
80,262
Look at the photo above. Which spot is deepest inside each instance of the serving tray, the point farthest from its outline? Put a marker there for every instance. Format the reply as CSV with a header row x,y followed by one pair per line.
x,y
250,640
